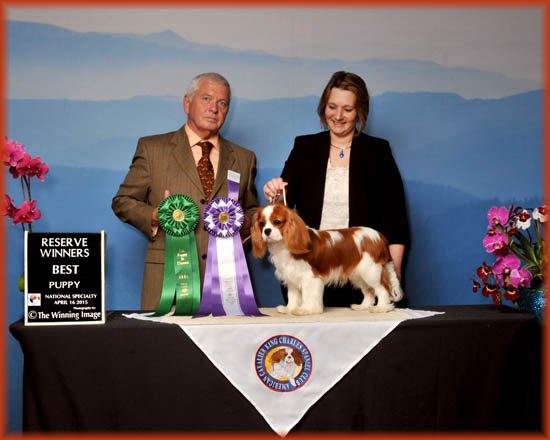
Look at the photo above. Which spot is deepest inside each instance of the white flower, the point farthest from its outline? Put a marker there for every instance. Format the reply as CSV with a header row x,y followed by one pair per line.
x,y
524,220
540,214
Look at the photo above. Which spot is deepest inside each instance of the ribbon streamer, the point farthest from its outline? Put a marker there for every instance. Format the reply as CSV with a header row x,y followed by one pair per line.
x,y
227,289
178,216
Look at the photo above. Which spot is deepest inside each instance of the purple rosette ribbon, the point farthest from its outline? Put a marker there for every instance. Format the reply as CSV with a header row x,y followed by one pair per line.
x,y
227,289
223,217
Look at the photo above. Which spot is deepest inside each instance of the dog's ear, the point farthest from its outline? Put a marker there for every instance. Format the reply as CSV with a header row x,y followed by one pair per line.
x,y
278,356
297,356
258,244
296,235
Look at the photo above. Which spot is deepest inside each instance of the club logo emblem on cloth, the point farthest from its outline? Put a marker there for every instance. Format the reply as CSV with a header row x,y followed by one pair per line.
x,y
283,363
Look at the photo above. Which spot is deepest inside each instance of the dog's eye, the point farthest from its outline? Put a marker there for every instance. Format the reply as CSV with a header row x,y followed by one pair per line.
x,y
262,224
277,222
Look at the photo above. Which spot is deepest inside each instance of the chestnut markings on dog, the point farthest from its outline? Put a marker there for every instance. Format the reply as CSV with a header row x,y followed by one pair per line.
x,y
306,260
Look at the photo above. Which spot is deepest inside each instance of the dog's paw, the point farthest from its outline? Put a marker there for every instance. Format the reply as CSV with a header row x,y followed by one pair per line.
x,y
300,311
360,307
282,309
381,308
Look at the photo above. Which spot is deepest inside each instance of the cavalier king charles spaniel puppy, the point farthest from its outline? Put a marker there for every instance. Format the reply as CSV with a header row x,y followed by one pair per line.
x,y
306,260
283,363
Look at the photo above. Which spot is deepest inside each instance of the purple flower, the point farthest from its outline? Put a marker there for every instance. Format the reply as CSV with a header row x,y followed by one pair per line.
x,y
515,237
498,216
495,241
504,266
520,278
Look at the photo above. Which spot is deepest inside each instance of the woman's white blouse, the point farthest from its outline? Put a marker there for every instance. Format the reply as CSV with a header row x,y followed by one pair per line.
x,y
335,212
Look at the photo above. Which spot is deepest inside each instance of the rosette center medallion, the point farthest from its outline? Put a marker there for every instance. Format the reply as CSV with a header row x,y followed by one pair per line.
x,y
178,215
223,218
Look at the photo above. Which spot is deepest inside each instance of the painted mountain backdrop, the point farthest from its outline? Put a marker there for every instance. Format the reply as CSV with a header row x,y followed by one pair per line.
x,y
487,148
42,65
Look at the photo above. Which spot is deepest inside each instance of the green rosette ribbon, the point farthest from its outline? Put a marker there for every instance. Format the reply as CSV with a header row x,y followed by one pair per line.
x,y
178,216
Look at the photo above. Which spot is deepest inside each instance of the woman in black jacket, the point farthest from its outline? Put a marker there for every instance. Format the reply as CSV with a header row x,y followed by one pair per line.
x,y
343,177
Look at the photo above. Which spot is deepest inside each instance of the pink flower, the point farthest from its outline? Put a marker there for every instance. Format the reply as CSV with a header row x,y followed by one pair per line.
x,y
524,220
13,152
520,278
38,168
27,212
516,239
21,167
30,167
495,241
498,216
9,207
14,172
504,266
24,167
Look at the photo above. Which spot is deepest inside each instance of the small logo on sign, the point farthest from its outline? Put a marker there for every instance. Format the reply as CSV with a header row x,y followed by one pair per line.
x,y
283,363
34,299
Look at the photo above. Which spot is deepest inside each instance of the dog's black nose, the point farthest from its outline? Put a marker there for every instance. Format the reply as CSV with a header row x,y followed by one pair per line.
x,y
267,231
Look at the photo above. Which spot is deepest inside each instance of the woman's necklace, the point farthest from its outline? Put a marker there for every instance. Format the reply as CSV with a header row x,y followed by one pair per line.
x,y
342,149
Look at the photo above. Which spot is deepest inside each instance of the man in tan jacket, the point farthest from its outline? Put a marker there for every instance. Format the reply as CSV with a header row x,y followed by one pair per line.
x,y
166,164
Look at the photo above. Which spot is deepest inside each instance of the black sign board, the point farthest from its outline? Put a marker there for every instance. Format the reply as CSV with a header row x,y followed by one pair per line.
x,y
64,278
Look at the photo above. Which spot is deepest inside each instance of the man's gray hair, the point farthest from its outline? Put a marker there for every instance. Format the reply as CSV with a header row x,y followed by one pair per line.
x,y
209,76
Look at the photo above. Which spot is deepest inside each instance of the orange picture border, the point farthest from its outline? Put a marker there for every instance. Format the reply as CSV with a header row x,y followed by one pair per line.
x,y
258,3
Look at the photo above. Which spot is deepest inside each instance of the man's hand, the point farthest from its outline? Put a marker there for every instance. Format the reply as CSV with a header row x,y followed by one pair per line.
x,y
155,217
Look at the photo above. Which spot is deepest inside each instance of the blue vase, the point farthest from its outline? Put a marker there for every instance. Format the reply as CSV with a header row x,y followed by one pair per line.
x,y
533,300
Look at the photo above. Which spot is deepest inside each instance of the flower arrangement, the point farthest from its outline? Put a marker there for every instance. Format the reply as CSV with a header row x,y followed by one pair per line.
x,y
515,238
24,167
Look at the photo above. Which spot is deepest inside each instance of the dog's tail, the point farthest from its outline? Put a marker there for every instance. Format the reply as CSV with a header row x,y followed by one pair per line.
x,y
396,293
